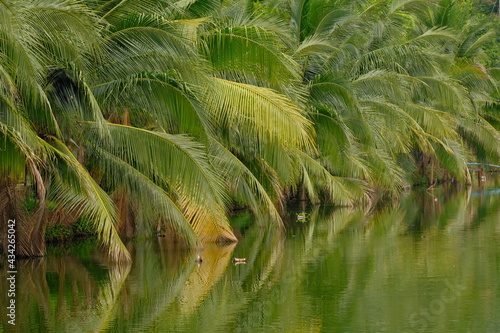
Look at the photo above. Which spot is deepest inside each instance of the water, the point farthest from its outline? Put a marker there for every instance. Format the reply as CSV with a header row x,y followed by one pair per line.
x,y
427,263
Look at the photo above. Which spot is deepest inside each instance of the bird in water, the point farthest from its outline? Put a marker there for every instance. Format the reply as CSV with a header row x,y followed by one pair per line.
x,y
237,261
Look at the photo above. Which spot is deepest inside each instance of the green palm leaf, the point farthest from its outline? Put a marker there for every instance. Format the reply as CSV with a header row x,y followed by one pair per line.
x,y
259,113
340,190
314,45
181,165
74,188
249,51
153,201
244,185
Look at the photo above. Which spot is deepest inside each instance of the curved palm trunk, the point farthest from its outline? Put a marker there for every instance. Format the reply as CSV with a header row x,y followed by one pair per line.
x,y
29,228
31,234
126,227
31,231
5,213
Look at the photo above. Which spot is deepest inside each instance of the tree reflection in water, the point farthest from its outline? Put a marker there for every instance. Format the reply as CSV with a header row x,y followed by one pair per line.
x,y
377,270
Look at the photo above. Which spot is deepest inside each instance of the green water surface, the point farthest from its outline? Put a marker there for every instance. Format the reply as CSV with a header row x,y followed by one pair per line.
x,y
429,262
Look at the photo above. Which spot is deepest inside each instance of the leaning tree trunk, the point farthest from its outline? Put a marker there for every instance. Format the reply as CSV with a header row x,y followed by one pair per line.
x,y
126,222
31,234
29,228
7,212
32,230
11,209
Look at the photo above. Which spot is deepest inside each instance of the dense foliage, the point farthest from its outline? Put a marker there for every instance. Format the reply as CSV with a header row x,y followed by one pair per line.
x,y
170,113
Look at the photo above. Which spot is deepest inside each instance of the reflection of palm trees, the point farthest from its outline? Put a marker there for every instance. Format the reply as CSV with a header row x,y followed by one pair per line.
x,y
152,285
373,267
65,295
183,285
378,252
203,278
364,254
238,291
32,286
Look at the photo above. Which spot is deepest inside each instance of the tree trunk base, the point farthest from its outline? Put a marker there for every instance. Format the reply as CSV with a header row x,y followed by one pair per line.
x,y
29,228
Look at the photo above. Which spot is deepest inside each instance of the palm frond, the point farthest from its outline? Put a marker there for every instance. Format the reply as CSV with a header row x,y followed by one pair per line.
x,y
434,36
333,19
170,103
472,44
139,49
338,146
112,10
412,6
435,122
474,77
154,201
451,156
390,56
314,45
480,133
391,126
447,94
244,184
249,51
340,190
384,170
12,161
75,188
189,28
260,113
15,126
181,165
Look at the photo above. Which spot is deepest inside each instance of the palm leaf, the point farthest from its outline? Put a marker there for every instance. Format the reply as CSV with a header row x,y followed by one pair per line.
x,y
340,190
434,36
471,45
451,156
249,51
168,102
12,161
480,133
434,122
153,201
245,186
260,113
314,45
340,153
152,48
76,189
181,165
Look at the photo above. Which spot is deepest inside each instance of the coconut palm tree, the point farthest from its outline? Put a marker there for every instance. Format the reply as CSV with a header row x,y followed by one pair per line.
x,y
170,113
39,39
112,119
381,80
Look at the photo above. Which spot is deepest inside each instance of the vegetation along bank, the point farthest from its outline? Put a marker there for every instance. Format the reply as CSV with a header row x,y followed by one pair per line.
x,y
169,114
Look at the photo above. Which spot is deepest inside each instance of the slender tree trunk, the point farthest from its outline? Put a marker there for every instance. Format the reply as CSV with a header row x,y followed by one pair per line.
x,y
126,227
81,154
468,177
126,117
31,234
29,228
302,193
431,176
5,213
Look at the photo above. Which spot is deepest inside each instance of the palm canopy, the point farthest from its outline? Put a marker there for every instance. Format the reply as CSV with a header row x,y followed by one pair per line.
x,y
190,108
